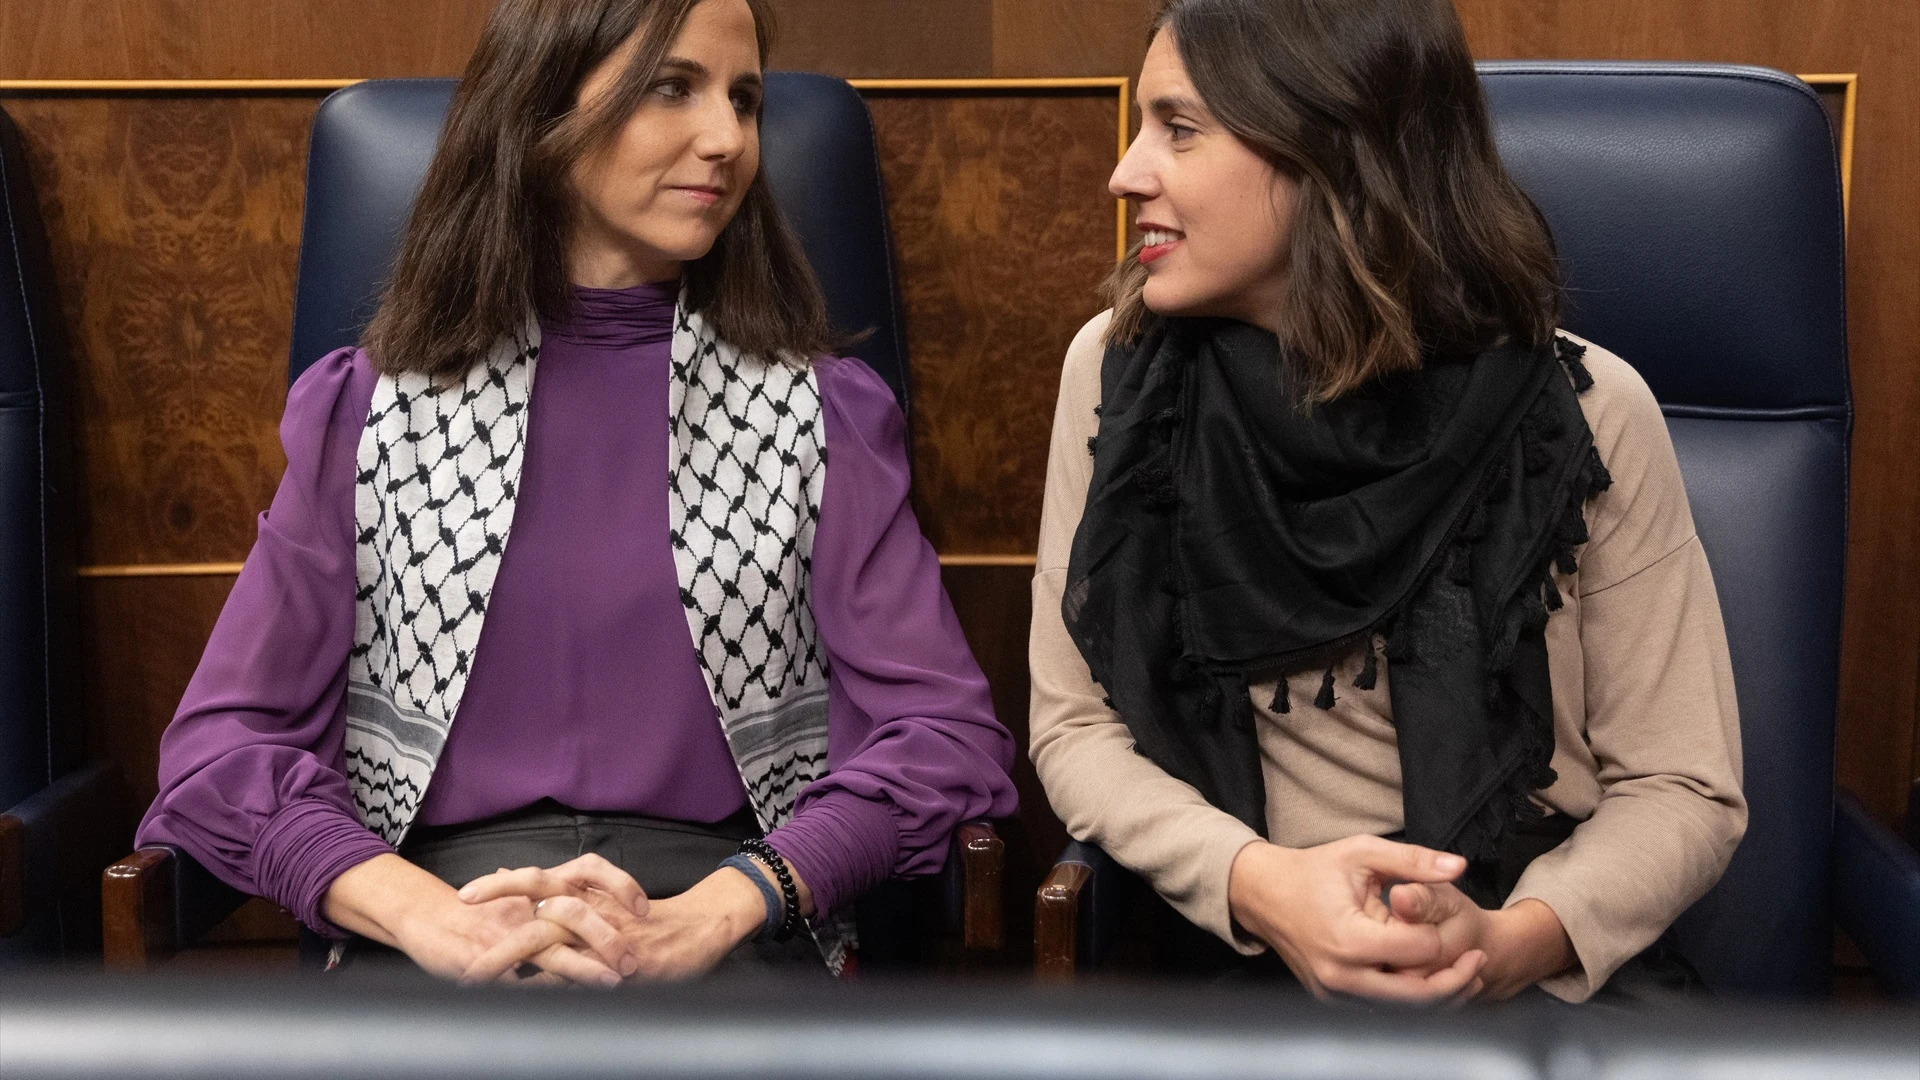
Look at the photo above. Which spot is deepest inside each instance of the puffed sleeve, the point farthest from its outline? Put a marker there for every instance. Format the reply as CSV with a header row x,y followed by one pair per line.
x,y
913,745
252,782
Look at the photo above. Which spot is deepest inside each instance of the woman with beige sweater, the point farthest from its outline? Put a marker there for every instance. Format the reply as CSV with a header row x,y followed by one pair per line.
x,y
1370,625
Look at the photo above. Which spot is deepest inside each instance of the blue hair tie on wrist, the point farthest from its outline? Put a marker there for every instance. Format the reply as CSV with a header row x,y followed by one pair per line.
x,y
776,908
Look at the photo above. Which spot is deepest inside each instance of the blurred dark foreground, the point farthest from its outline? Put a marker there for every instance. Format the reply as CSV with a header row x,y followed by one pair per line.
x,y
396,1025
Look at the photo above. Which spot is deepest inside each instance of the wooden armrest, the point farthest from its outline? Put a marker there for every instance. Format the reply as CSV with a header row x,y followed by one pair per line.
x,y
136,910
1080,910
983,856
158,901
1056,920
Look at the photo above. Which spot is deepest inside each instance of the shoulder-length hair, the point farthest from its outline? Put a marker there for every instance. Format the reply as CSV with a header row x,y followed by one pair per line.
x,y
486,241
1408,235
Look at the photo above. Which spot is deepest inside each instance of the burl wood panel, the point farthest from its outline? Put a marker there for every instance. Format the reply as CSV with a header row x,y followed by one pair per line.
x,y
1879,742
1003,231
174,223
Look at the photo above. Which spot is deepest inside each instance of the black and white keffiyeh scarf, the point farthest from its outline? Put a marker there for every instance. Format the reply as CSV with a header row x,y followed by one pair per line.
x,y
438,473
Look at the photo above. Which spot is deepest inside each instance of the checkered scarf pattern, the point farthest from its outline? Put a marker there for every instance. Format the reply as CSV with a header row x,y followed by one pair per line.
x,y
438,473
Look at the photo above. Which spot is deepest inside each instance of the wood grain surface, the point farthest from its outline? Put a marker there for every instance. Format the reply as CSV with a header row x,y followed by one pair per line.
x,y
859,39
995,605
141,639
1002,229
174,222
237,39
1070,37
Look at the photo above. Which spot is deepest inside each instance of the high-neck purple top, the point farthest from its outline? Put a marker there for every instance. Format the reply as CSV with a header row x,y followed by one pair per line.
x,y
585,688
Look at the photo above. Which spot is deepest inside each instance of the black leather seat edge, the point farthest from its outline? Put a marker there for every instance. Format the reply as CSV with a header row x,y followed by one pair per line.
x,y
60,821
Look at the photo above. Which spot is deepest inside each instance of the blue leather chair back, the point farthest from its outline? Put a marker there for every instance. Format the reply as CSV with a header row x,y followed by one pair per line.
x,y
36,499
1698,214
372,142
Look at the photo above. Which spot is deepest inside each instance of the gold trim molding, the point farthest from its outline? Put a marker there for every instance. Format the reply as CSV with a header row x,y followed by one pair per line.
x,y
987,560
1849,83
154,570
170,86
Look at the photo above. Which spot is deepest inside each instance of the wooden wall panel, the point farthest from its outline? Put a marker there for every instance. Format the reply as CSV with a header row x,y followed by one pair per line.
x,y
995,606
1002,231
141,640
173,222
328,39
1042,38
859,39
1879,742
237,39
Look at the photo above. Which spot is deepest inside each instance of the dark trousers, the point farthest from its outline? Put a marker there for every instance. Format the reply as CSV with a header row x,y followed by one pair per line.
x,y
666,857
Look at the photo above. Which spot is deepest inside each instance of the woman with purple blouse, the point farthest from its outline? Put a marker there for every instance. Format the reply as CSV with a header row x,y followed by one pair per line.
x,y
720,691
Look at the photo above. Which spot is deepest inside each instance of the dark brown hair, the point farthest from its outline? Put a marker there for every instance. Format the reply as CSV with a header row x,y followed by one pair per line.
x,y
485,243
1408,234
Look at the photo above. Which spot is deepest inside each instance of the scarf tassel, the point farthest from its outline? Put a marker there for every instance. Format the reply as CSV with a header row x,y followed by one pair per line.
x,y
1369,675
1325,698
1280,704
1570,353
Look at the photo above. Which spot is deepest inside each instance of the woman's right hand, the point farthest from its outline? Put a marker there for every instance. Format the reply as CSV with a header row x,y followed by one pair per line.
x,y
396,903
1320,909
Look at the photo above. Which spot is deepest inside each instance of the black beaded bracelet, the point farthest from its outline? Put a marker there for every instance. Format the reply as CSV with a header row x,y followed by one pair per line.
x,y
763,851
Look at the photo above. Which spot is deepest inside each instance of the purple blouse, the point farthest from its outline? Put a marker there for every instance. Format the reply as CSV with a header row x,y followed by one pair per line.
x,y
585,687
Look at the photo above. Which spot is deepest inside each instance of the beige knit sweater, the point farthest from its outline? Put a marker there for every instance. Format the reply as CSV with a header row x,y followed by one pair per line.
x,y
1647,736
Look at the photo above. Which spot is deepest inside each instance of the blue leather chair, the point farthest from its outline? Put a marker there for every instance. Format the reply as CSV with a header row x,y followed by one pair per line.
x,y
1697,209
62,817
370,148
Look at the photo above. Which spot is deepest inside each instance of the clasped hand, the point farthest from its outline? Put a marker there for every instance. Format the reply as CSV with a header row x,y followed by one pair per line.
x,y
592,923
1322,910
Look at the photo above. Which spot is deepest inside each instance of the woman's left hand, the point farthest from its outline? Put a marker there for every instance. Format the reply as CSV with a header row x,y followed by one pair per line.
x,y
676,938
1524,943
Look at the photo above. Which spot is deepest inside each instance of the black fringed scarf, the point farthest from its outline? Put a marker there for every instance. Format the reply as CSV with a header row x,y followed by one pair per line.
x,y
1231,532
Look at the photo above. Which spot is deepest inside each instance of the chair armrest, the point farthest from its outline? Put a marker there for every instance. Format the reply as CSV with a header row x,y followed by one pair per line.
x,y
156,901
53,842
971,886
1876,894
1079,909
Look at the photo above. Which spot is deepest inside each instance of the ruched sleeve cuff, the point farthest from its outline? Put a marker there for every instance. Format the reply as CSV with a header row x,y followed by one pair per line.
x,y
303,849
840,844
